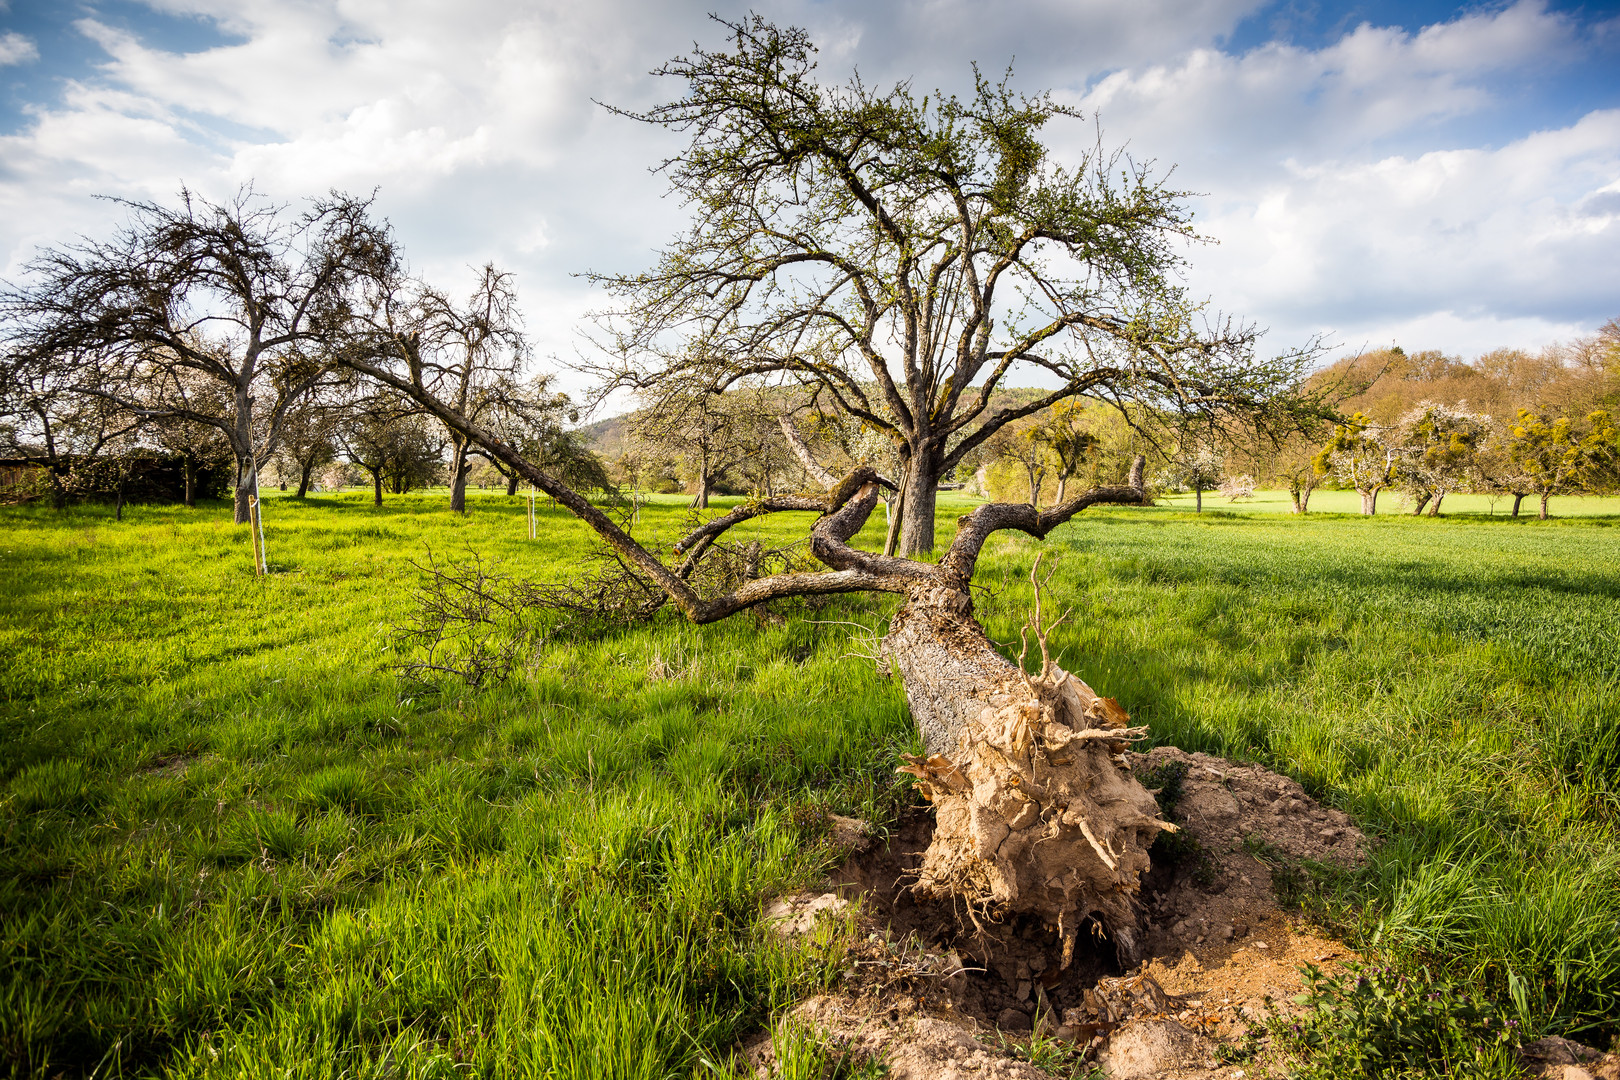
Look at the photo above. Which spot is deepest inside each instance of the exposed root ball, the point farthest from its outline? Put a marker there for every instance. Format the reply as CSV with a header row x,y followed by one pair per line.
x,y
1038,813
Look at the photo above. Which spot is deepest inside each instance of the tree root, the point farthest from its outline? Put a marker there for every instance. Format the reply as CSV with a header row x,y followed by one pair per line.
x,y
1039,814
1037,811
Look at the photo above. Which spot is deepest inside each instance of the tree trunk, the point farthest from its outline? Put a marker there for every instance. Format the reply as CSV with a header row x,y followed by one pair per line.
x,y
376,486
1138,465
1517,499
458,477
1545,495
1198,498
188,472
1369,501
1434,507
1063,486
1417,508
511,485
1299,493
700,501
917,513
244,490
1033,814
303,478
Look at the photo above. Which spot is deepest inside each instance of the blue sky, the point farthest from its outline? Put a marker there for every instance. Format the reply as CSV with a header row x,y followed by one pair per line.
x,y
1446,176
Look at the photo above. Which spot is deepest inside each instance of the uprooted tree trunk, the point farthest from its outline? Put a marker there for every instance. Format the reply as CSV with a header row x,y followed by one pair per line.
x,y
1037,813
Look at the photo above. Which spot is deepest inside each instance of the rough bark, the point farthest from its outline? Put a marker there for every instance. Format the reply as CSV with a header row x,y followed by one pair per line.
x,y
303,478
1369,501
948,666
1545,495
511,485
917,507
1518,497
243,497
1418,504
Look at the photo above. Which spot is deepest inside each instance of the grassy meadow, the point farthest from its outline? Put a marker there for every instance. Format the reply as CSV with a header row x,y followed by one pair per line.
x,y
234,844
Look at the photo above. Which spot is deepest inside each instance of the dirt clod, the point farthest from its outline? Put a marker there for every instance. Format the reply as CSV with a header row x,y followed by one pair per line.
x,y
791,916
1144,1048
1554,1058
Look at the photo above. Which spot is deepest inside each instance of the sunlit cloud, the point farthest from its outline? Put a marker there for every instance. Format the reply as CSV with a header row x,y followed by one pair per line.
x,y
1385,181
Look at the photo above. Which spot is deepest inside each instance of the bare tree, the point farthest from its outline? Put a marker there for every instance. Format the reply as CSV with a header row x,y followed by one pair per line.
x,y
387,436
65,435
901,256
309,438
538,422
708,431
476,352
232,294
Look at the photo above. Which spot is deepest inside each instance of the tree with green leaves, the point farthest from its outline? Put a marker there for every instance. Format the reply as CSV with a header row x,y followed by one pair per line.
x,y
1066,433
1362,455
1559,456
902,256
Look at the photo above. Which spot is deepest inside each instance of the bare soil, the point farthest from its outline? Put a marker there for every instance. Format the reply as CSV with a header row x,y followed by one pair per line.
x,y
934,995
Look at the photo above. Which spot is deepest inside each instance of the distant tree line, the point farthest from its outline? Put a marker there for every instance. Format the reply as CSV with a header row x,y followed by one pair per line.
x,y
1511,424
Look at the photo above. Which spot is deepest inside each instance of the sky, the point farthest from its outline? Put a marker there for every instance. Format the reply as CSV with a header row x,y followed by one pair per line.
x,y
1428,174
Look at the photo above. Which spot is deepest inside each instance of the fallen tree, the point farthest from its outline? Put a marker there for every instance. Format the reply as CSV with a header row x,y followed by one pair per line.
x,y
1037,813
910,214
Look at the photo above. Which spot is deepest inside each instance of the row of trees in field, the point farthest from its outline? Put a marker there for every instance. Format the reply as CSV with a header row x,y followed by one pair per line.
x,y
206,335
1511,424
859,320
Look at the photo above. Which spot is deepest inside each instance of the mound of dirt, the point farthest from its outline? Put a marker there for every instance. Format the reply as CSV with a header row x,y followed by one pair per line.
x,y
934,995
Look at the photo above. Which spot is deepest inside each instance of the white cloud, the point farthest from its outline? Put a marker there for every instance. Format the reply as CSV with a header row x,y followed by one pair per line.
x,y
16,49
1335,203
1333,211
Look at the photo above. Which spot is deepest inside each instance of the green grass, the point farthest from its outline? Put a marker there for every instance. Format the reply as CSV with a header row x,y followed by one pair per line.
x,y
231,844
1327,501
